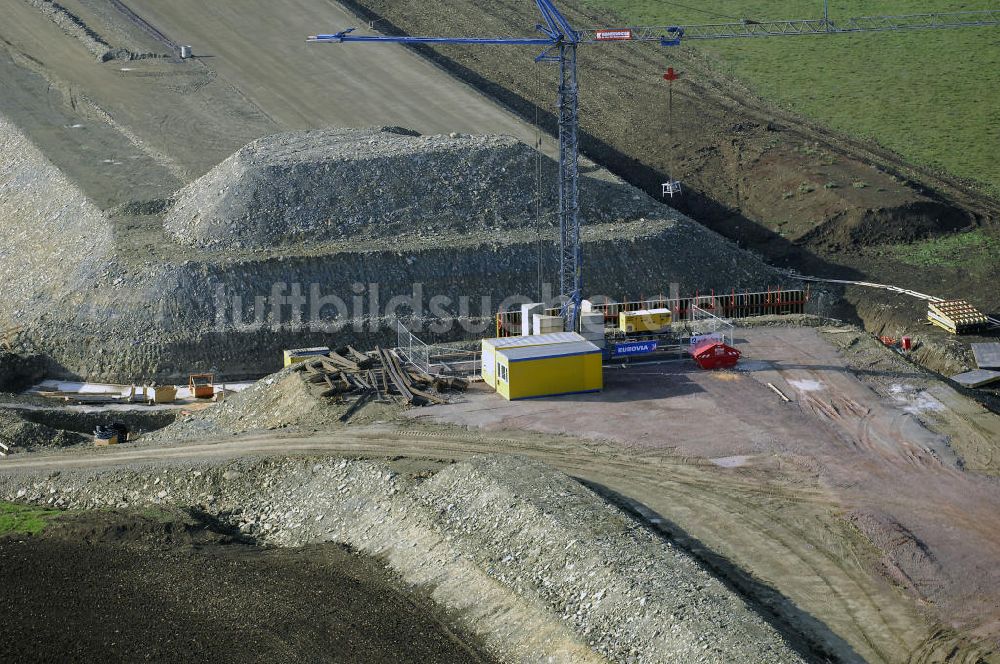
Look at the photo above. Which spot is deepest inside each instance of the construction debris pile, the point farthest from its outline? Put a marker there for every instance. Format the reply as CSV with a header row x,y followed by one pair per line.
x,y
378,374
362,184
342,385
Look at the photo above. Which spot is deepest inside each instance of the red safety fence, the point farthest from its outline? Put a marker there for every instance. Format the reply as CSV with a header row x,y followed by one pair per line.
x,y
772,302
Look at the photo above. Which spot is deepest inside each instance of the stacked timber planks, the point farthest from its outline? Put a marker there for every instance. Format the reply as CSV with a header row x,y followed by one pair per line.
x,y
956,316
375,375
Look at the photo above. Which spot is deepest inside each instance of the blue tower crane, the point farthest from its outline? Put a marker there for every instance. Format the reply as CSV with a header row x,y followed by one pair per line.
x,y
560,41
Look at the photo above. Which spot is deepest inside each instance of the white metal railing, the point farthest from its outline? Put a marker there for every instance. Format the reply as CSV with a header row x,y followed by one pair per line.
x,y
702,322
436,360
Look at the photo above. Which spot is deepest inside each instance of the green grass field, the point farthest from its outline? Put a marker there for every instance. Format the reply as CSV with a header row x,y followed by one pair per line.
x,y
23,519
974,251
933,96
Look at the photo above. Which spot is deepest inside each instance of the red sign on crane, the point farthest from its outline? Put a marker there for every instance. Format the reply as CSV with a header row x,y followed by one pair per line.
x,y
670,75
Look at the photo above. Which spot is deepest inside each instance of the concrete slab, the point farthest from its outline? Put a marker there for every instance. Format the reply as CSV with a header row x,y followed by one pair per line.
x,y
977,378
987,355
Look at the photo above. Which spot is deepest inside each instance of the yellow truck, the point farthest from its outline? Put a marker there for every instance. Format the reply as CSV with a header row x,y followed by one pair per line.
x,y
645,321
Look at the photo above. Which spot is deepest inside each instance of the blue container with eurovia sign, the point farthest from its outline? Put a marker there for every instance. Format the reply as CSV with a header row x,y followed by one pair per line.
x,y
634,348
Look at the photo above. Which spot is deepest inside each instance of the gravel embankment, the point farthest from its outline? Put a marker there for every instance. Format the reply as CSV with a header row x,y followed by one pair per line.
x,y
53,240
358,184
20,434
537,565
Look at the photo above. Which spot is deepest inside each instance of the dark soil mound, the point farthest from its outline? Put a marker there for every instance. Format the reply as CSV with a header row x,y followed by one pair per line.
x,y
19,372
109,587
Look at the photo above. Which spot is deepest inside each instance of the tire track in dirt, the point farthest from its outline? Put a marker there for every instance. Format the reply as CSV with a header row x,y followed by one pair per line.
x,y
763,533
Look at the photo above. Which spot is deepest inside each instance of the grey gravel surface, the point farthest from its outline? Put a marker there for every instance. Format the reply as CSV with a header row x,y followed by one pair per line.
x,y
358,184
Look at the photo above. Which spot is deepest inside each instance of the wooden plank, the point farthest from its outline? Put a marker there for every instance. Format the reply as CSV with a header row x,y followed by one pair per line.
x,y
987,355
362,360
977,378
360,381
341,361
779,393
427,396
397,379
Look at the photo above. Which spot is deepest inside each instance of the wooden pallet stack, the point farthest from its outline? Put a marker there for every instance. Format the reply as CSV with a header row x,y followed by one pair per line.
x,y
377,374
956,316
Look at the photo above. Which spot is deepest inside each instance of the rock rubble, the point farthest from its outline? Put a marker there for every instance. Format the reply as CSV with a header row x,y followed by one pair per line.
x,y
359,184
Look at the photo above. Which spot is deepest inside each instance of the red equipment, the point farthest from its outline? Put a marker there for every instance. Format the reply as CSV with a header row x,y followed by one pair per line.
x,y
715,355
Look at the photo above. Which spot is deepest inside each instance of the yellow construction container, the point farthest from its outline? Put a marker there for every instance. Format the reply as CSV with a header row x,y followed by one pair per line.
x,y
491,346
302,354
644,320
164,394
530,372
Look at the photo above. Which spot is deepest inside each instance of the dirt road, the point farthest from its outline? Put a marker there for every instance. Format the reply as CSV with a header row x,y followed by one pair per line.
x,y
253,74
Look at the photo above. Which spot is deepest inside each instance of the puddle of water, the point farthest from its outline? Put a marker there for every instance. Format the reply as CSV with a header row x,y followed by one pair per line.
x,y
806,385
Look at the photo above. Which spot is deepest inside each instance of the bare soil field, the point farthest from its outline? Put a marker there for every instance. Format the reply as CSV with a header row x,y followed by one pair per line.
x,y
161,586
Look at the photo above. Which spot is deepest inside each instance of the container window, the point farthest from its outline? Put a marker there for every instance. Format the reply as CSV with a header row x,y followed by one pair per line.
x,y
502,373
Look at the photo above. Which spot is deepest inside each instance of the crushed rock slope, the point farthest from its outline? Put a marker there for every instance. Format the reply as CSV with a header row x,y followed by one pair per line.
x,y
355,184
539,566
53,240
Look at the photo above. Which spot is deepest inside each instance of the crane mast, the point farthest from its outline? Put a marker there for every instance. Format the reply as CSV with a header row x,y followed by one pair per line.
x,y
561,42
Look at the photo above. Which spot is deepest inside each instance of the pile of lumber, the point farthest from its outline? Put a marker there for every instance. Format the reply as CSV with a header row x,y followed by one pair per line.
x,y
378,374
956,316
